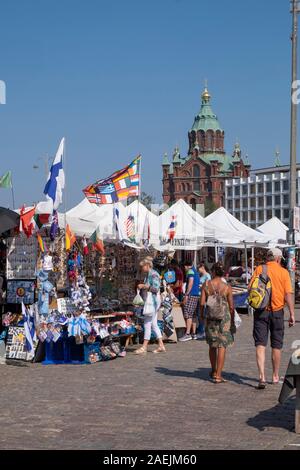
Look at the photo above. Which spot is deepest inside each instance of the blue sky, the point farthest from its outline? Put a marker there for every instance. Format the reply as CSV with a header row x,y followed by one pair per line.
x,y
123,77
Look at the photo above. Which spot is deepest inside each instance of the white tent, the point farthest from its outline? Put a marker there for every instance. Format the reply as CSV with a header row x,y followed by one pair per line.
x,y
84,218
145,222
275,228
225,221
190,230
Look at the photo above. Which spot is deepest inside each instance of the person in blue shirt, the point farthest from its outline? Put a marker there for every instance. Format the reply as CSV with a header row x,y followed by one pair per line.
x,y
204,276
191,301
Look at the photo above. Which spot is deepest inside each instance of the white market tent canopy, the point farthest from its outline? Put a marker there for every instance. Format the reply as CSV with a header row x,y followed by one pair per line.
x,y
276,228
223,220
191,230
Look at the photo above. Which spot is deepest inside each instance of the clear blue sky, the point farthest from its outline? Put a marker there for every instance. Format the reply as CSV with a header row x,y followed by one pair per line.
x,y
121,77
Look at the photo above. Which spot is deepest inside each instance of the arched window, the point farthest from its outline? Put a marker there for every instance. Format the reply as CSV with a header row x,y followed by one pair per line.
x,y
196,171
197,185
183,187
209,140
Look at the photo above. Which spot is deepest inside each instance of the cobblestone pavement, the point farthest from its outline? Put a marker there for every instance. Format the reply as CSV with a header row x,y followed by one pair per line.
x,y
153,402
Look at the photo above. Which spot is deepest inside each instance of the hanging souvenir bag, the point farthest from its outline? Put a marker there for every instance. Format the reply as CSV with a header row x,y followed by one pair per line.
x,y
138,301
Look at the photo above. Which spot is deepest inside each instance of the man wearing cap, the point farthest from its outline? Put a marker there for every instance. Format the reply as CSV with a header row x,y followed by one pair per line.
x,y
272,319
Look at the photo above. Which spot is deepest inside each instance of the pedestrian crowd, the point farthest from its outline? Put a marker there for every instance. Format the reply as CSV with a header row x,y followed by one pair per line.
x,y
208,308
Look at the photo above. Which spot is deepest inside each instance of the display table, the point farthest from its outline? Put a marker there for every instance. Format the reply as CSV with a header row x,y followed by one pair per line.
x,y
291,382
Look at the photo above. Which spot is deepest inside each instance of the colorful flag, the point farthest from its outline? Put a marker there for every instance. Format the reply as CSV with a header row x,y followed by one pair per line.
x,y
120,185
172,228
85,246
5,181
29,329
41,219
70,238
26,221
54,226
56,179
42,245
130,227
97,241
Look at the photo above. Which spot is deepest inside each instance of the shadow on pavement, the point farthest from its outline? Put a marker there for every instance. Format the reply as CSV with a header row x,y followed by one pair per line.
x,y
279,416
203,374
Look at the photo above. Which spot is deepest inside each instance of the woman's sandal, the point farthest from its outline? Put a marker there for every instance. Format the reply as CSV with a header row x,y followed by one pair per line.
x,y
159,350
261,385
141,351
219,380
213,375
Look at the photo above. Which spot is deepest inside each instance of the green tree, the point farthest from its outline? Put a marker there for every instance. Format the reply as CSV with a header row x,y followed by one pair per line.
x,y
209,207
147,200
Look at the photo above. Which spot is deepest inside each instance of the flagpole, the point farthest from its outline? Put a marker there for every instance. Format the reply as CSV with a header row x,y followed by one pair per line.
x,y
140,193
65,189
12,193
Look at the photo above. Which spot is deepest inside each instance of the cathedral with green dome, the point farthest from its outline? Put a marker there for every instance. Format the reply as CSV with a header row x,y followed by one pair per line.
x,y
199,178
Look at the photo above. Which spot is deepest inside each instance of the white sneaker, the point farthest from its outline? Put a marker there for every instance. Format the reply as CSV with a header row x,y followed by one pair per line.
x,y
185,338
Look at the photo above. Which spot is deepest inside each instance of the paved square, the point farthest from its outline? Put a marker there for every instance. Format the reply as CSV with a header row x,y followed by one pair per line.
x,y
153,402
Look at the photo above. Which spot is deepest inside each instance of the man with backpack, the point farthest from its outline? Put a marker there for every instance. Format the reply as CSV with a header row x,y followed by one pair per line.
x,y
270,290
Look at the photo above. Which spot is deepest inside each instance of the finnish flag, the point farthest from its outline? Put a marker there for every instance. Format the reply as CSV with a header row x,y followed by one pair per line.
x,y
56,179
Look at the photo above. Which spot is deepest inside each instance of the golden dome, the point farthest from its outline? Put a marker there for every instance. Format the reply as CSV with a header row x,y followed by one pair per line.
x,y
205,95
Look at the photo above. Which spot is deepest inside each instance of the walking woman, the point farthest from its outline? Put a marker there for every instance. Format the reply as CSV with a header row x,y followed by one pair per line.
x,y
150,287
220,328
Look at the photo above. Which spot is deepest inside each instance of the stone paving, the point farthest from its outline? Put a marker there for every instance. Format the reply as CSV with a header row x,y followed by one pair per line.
x,y
153,402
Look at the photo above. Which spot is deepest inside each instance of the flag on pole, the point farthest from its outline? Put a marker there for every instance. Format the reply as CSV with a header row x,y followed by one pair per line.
x,y
41,219
42,244
85,246
6,181
146,232
54,226
172,228
26,221
28,329
120,185
56,179
97,241
70,238
130,227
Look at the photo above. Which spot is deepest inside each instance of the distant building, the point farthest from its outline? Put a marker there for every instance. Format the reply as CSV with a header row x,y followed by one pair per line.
x,y
200,177
261,196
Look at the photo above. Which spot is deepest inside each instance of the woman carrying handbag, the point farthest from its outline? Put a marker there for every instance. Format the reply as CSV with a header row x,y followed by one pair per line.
x,y
150,293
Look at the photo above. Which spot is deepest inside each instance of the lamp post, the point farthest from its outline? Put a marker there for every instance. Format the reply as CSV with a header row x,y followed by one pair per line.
x,y
293,140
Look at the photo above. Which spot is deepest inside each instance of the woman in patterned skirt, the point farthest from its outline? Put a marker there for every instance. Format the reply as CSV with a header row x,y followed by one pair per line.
x,y
219,333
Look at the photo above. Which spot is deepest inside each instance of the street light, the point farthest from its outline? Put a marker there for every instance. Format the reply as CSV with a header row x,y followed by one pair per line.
x,y
295,9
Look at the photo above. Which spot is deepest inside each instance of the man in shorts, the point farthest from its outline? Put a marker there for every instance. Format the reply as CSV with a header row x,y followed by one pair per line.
x,y
272,319
191,302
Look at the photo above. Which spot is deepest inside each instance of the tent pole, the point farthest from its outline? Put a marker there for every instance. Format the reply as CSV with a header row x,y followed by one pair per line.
x,y
216,253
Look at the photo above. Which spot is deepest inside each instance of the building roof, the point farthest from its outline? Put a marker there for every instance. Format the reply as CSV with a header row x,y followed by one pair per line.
x,y
206,119
221,158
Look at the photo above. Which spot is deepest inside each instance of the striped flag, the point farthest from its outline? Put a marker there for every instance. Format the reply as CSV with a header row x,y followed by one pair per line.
x,y
70,238
172,228
130,227
120,185
97,241
42,244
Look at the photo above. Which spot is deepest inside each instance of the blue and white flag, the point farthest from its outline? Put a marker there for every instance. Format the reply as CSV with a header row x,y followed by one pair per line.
x,y
56,178
29,329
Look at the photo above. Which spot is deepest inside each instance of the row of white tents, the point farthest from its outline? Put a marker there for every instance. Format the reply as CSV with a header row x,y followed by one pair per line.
x,y
177,228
